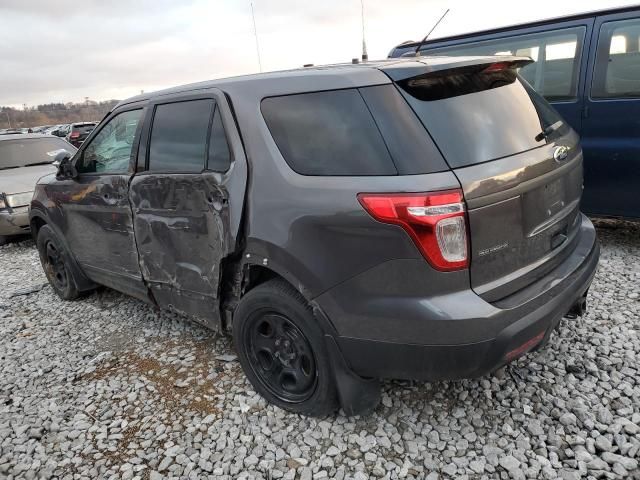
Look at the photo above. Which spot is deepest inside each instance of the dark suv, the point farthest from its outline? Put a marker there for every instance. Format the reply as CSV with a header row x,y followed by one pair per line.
x,y
77,133
416,218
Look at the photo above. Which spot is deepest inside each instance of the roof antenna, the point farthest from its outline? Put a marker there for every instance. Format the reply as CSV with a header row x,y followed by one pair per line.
x,y
255,33
417,51
365,56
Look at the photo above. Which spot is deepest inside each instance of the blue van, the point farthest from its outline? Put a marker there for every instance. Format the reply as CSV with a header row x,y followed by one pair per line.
x,y
588,67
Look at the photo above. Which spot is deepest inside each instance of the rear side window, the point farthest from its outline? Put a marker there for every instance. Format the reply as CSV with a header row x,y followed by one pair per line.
x,y
556,55
179,136
327,133
219,154
617,69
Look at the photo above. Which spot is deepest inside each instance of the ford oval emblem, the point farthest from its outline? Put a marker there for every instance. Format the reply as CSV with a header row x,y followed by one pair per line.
x,y
561,153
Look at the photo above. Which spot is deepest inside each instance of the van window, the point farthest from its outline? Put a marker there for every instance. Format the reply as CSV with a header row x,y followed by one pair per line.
x,y
556,56
327,133
617,68
179,136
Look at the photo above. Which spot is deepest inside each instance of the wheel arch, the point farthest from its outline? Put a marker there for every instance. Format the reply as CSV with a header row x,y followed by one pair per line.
x,y
252,269
37,219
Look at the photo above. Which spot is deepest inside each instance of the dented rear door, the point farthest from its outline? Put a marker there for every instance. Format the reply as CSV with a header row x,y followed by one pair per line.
x,y
187,201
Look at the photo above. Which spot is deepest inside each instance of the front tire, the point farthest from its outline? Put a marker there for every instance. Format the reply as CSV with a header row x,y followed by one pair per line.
x,y
55,263
282,351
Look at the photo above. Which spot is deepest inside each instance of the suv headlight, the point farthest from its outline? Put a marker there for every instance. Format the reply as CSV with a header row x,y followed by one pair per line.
x,y
18,200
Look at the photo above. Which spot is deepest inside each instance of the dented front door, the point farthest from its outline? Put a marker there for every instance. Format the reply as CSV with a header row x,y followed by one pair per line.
x,y
183,219
94,210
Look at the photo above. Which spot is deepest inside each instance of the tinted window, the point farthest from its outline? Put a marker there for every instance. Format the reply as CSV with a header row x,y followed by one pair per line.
x,y
617,70
83,129
179,136
550,120
110,150
21,153
411,148
327,133
556,56
480,126
219,156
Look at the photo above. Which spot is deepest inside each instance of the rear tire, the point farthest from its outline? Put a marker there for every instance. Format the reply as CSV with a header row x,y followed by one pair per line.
x,y
55,263
282,351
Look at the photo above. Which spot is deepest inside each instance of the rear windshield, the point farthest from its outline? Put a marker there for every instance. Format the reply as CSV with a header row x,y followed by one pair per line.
x,y
85,128
475,115
31,151
353,132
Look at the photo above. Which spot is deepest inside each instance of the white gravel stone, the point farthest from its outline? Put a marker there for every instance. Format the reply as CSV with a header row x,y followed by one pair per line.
x,y
108,387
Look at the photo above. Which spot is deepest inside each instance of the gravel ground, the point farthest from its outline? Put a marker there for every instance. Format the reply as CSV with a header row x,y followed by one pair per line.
x,y
107,387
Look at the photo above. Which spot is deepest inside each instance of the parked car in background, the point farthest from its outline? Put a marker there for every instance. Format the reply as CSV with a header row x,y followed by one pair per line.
x,y
588,67
344,223
55,130
61,130
15,131
24,159
78,132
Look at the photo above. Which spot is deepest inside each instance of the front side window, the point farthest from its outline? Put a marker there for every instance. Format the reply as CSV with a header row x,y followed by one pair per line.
x,y
556,56
110,150
617,68
327,133
179,136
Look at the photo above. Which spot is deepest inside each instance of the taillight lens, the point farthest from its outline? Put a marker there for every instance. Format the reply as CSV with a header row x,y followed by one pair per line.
x,y
435,221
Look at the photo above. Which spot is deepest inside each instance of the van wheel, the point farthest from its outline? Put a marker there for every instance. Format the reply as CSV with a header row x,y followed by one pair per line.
x,y
55,264
281,349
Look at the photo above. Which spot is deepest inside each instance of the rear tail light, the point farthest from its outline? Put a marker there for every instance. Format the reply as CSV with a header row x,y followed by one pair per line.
x,y
435,221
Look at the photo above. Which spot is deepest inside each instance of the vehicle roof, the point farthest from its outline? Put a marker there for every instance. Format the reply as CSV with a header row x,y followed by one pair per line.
x,y
23,136
536,23
323,76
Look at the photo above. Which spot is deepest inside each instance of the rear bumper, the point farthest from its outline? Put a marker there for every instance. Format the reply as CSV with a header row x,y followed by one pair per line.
x,y
473,337
15,222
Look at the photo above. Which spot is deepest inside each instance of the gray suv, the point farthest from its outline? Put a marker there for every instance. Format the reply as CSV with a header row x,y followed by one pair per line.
x,y
414,218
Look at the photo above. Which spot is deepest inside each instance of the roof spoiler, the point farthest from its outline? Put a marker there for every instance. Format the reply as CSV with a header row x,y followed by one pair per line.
x,y
421,66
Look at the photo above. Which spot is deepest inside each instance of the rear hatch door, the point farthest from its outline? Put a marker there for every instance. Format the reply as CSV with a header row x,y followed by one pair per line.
x,y
519,165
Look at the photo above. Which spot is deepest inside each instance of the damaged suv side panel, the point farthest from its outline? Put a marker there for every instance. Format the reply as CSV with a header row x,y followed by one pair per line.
x,y
186,215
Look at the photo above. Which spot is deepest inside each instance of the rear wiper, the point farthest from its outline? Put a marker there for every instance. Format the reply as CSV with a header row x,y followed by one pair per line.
x,y
37,163
549,130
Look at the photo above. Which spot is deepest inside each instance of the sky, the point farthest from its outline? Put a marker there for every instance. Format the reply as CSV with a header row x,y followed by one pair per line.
x,y
66,50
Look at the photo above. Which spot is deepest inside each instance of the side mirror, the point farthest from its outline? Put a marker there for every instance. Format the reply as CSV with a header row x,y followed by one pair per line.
x,y
66,170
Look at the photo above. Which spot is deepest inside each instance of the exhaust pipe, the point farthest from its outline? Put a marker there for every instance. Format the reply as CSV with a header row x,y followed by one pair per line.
x,y
578,309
